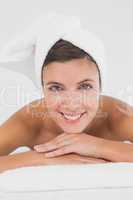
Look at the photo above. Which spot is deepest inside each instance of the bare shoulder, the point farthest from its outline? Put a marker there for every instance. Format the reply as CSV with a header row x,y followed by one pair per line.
x,y
34,113
116,108
120,117
21,128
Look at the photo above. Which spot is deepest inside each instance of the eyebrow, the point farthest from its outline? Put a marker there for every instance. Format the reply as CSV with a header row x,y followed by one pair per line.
x,y
57,83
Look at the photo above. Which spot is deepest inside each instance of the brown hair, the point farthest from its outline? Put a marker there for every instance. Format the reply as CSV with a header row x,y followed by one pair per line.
x,y
63,51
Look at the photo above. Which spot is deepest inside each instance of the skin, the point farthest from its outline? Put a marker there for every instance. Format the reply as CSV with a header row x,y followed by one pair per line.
x,y
71,97
39,122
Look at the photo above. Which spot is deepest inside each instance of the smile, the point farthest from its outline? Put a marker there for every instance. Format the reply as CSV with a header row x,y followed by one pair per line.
x,y
72,118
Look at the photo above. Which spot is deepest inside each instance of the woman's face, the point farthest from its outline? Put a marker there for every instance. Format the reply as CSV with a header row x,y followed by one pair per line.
x,y
71,91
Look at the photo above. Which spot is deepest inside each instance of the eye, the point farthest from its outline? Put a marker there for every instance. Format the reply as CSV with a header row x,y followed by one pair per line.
x,y
86,86
55,88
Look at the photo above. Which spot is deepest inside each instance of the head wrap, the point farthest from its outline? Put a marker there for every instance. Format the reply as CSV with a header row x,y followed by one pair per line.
x,y
44,33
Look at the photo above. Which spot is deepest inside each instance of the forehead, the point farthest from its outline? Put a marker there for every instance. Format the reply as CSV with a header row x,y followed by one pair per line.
x,y
73,70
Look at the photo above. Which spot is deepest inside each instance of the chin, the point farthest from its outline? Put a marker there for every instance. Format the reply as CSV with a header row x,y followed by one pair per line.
x,y
74,130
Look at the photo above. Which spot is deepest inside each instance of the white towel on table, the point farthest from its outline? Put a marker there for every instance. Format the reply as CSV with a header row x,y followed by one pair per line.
x,y
67,177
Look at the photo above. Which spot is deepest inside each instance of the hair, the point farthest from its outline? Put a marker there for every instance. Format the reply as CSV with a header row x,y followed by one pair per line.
x,y
63,51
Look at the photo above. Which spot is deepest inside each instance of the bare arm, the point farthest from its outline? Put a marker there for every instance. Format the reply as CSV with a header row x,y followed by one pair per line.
x,y
117,151
121,125
25,159
32,158
20,129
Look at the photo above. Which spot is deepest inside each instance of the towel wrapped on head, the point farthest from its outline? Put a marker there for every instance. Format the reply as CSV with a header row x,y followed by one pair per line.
x,y
44,33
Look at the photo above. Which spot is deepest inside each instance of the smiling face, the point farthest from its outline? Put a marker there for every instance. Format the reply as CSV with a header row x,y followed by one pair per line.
x,y
71,91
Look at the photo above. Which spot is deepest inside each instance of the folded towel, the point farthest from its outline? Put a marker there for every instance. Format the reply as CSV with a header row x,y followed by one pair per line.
x,y
44,32
67,177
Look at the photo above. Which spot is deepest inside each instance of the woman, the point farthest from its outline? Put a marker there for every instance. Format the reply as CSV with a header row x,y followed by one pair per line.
x,y
73,123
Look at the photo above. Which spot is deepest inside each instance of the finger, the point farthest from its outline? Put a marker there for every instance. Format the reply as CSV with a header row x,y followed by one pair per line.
x,y
64,136
51,142
61,151
57,142
64,139
44,148
61,137
52,146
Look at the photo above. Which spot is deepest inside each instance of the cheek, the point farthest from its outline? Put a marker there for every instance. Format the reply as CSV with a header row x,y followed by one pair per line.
x,y
92,105
52,100
91,100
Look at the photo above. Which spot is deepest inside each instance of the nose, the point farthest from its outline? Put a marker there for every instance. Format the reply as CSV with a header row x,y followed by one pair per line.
x,y
71,101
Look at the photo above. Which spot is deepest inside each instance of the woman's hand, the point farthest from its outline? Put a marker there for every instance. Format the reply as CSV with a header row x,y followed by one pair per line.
x,y
72,159
80,143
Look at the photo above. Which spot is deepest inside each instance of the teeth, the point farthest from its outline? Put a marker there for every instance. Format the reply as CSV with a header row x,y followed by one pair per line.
x,y
71,117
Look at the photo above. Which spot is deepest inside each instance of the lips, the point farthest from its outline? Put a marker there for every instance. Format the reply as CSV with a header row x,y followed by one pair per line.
x,y
70,114
72,117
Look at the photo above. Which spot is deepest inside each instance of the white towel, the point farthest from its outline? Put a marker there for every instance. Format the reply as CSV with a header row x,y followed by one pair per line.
x,y
67,177
42,35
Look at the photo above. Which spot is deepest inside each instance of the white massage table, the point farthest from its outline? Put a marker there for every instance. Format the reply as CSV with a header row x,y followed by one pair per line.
x,y
60,182
68,182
